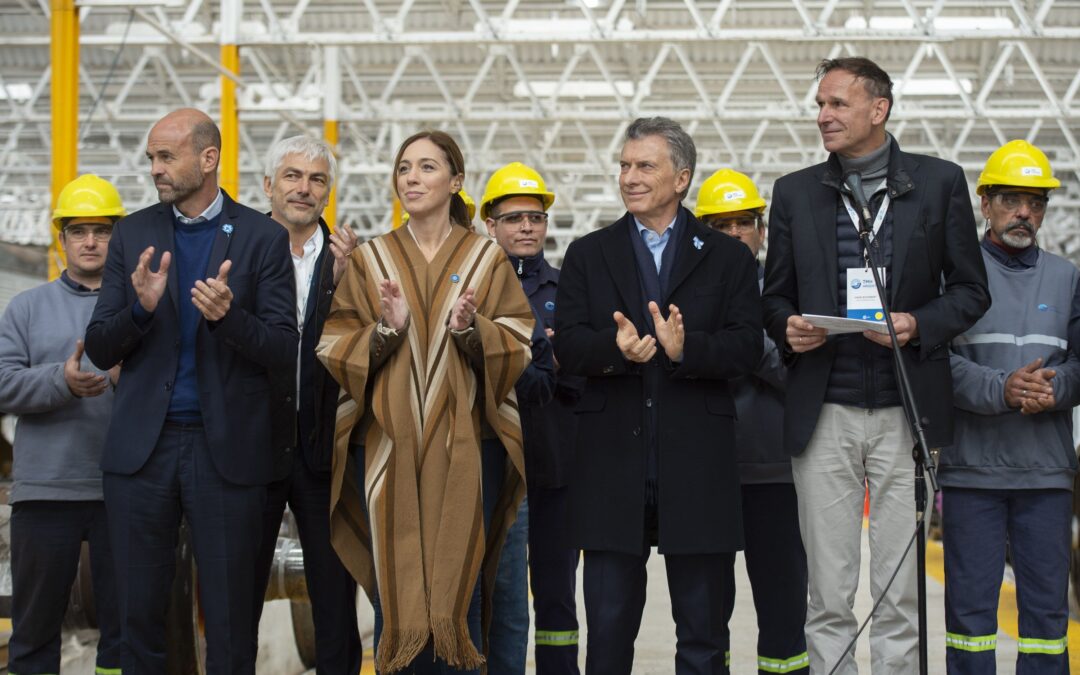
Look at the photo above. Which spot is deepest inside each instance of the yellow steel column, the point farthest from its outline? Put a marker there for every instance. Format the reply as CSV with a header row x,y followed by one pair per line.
x,y
330,135
396,213
230,124
64,57
231,11
331,103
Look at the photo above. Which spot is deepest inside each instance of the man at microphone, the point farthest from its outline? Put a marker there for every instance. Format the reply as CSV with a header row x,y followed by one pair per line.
x,y
843,422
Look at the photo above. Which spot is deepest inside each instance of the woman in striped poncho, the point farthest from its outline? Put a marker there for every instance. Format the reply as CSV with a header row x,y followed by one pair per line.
x,y
428,332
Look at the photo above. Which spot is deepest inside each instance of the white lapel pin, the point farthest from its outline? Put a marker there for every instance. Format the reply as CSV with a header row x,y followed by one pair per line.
x,y
698,243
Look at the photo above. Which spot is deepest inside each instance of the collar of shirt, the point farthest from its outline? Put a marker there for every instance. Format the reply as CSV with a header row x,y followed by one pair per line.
x,y
75,285
656,243
661,238
312,247
1024,258
210,213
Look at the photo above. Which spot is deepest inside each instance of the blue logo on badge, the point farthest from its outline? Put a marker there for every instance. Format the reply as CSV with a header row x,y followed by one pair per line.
x,y
454,278
855,283
1043,307
549,306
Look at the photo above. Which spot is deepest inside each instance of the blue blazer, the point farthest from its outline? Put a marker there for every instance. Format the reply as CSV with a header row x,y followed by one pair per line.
x,y
234,356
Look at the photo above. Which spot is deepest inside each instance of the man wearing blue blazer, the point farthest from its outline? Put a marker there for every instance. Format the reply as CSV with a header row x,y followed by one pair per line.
x,y
197,305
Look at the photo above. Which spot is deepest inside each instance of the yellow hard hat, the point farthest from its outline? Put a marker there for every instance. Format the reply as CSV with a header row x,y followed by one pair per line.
x,y
469,203
470,206
512,180
1017,164
727,191
87,197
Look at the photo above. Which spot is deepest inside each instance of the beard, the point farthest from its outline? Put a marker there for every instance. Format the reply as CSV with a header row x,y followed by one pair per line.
x,y
172,190
295,217
1019,234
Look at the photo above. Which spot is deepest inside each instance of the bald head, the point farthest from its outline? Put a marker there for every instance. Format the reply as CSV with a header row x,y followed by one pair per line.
x,y
191,121
184,148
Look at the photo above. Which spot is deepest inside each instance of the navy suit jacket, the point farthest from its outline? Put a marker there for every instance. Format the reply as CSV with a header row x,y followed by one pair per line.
x,y
713,281
937,275
234,356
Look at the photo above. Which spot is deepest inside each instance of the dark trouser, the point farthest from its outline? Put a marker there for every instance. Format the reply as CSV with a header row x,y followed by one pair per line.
x,y
1037,525
179,479
553,575
493,464
615,599
776,565
508,636
46,541
330,586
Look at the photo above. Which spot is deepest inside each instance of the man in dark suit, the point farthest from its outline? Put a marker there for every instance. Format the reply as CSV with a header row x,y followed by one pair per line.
x,y
298,176
191,429
655,463
843,420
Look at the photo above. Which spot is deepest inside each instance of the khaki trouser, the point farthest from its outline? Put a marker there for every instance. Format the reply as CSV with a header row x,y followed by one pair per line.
x,y
849,446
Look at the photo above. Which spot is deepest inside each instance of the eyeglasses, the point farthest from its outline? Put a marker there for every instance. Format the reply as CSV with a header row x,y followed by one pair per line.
x,y
80,233
1013,200
741,224
519,218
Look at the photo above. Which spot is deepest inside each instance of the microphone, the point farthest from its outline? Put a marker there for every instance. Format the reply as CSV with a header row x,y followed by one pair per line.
x,y
853,183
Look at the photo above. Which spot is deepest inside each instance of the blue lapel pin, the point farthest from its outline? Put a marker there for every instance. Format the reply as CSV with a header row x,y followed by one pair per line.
x,y
227,228
454,278
698,243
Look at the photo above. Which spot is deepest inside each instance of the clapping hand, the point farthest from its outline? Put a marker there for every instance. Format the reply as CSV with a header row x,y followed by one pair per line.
x,y
633,348
150,286
395,311
461,316
670,332
213,297
342,243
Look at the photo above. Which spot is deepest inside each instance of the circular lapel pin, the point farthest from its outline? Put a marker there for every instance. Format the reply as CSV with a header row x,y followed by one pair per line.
x,y
549,306
454,278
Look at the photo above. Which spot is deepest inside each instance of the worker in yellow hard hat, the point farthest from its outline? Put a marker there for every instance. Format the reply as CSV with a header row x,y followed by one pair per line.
x,y
84,216
64,404
729,202
1008,476
515,210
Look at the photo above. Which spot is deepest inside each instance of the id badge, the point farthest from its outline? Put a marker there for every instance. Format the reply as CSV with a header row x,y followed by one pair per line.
x,y
862,295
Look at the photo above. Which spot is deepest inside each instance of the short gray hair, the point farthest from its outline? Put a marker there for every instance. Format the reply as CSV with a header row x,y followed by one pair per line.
x,y
680,144
307,147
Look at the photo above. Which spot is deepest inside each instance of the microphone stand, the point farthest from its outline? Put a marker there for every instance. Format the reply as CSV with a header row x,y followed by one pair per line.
x,y
924,464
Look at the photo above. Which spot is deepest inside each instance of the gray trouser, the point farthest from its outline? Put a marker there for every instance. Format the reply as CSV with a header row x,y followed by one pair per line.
x,y
849,446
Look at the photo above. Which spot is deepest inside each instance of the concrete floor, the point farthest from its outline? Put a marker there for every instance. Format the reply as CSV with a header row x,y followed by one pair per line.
x,y
655,646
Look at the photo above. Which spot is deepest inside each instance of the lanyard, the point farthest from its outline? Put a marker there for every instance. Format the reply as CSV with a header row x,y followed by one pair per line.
x,y
878,219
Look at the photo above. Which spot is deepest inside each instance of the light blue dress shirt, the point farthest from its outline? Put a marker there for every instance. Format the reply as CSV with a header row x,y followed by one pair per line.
x,y
656,242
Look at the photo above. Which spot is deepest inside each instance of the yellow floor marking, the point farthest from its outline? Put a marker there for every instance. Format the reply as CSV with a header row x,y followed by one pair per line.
x,y
1007,614
368,666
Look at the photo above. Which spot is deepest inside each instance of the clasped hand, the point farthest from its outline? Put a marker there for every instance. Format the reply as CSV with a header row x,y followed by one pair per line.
x,y
1030,389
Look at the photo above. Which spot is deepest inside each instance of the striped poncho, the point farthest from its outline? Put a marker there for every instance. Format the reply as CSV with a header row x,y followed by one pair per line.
x,y
422,411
